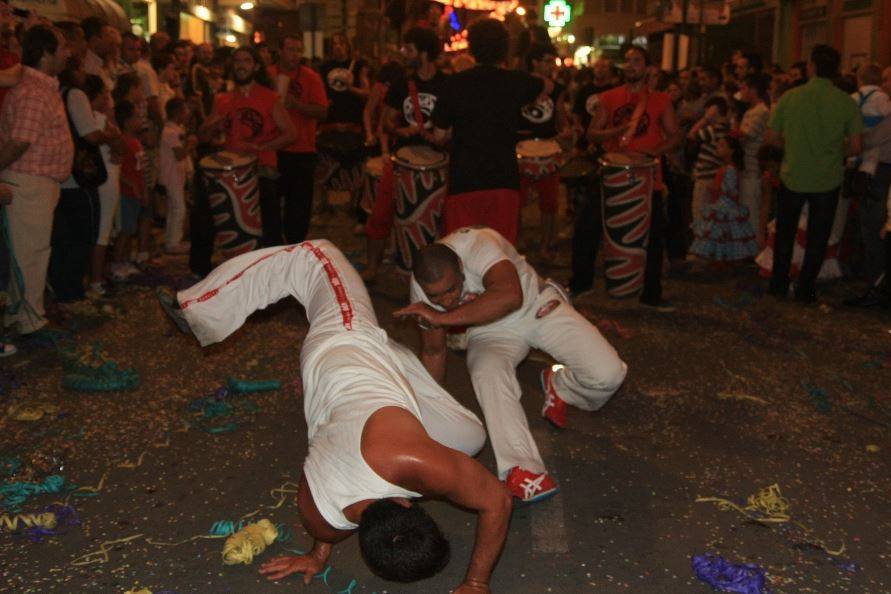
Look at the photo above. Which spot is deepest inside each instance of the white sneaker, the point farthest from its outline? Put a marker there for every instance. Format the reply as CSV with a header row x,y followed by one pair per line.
x,y
121,272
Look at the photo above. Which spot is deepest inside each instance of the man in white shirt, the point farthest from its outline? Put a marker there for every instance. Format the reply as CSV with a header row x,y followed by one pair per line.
x,y
131,54
475,278
100,38
380,430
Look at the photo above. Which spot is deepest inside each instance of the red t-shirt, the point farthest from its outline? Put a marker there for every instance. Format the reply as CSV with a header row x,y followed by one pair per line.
x,y
620,104
249,120
306,87
7,59
132,168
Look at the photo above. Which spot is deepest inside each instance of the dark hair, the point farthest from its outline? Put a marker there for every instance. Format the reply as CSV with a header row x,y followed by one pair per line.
x,y
718,102
760,83
174,107
770,154
712,72
93,86
292,35
93,26
826,61
391,72
432,262
162,61
129,35
261,76
182,43
488,40
124,85
69,29
38,41
123,111
401,544
738,156
640,50
755,61
537,52
425,41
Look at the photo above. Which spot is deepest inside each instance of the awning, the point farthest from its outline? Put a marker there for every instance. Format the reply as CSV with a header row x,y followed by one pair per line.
x,y
77,10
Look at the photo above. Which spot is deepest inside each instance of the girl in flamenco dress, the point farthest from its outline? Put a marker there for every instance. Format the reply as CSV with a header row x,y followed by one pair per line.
x,y
724,234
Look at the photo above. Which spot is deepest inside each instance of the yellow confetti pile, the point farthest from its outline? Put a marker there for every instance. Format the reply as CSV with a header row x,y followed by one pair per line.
x,y
13,523
248,542
34,412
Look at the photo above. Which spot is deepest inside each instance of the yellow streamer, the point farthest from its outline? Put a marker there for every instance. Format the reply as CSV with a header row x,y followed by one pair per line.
x,y
249,542
131,465
182,542
13,523
768,506
141,591
101,554
33,412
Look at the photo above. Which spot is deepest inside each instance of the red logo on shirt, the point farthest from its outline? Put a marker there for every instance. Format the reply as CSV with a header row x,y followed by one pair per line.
x,y
623,116
249,121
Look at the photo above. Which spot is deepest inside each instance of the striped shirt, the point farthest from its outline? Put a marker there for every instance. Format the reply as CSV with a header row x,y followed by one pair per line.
x,y
707,162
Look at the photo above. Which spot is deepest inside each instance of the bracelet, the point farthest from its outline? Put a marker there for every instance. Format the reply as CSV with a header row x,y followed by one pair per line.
x,y
477,583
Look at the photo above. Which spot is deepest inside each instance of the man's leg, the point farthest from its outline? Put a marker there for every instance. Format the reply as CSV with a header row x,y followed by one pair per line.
x,y
201,230
30,217
821,214
492,359
270,211
445,420
789,205
585,239
872,215
590,370
297,184
652,288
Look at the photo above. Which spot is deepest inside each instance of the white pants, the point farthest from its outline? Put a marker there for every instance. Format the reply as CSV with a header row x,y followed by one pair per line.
x,y
176,214
219,305
592,372
701,193
109,201
750,197
30,217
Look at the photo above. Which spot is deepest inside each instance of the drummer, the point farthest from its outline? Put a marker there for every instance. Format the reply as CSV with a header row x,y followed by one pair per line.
x,y
629,119
475,278
407,120
546,117
254,120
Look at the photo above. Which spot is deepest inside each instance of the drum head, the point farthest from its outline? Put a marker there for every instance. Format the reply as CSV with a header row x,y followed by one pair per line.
x,y
537,148
420,157
627,160
226,161
375,166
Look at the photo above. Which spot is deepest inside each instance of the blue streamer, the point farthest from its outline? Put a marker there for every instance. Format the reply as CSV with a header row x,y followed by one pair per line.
x,y
17,493
724,576
244,386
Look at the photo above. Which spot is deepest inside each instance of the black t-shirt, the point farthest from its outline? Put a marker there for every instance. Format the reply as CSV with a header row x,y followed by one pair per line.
x,y
482,107
539,118
345,106
400,99
583,106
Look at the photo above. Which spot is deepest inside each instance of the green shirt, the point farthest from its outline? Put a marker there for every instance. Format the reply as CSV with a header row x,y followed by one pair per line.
x,y
814,120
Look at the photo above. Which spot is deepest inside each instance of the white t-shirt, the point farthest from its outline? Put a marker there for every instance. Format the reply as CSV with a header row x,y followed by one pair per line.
x,y
753,128
81,113
172,171
480,248
148,78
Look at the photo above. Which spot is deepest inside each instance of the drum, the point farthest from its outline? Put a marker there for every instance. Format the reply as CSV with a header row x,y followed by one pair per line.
x,y
340,160
627,181
538,158
230,180
421,174
374,170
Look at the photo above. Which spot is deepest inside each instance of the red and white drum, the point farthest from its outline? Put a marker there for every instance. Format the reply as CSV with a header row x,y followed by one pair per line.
x,y
627,181
538,158
421,185
230,180
374,170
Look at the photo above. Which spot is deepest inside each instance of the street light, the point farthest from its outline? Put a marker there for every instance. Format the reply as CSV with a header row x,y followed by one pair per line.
x,y
247,6
520,11
571,39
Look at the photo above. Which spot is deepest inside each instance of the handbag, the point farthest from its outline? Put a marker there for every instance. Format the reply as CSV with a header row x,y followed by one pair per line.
x,y
88,167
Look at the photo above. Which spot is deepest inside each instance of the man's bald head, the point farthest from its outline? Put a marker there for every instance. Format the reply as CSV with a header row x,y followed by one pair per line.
x,y
434,262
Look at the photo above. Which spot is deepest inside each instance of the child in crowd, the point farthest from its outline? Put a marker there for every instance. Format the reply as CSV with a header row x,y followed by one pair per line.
x,y
712,127
134,197
174,151
874,106
724,234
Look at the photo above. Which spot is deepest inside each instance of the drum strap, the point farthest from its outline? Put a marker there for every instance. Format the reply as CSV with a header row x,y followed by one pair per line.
x,y
639,110
416,103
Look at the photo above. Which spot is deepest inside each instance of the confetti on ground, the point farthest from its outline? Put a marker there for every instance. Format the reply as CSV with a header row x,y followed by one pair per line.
x,y
724,576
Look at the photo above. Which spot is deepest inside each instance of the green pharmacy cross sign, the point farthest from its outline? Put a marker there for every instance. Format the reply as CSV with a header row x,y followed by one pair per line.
x,y
557,13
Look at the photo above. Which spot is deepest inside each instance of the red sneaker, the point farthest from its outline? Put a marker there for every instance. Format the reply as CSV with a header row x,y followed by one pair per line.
x,y
554,409
530,487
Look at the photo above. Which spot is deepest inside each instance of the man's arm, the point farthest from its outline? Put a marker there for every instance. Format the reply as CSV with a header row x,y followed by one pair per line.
x,y
503,295
597,130
433,352
11,152
399,450
287,133
672,129
855,144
